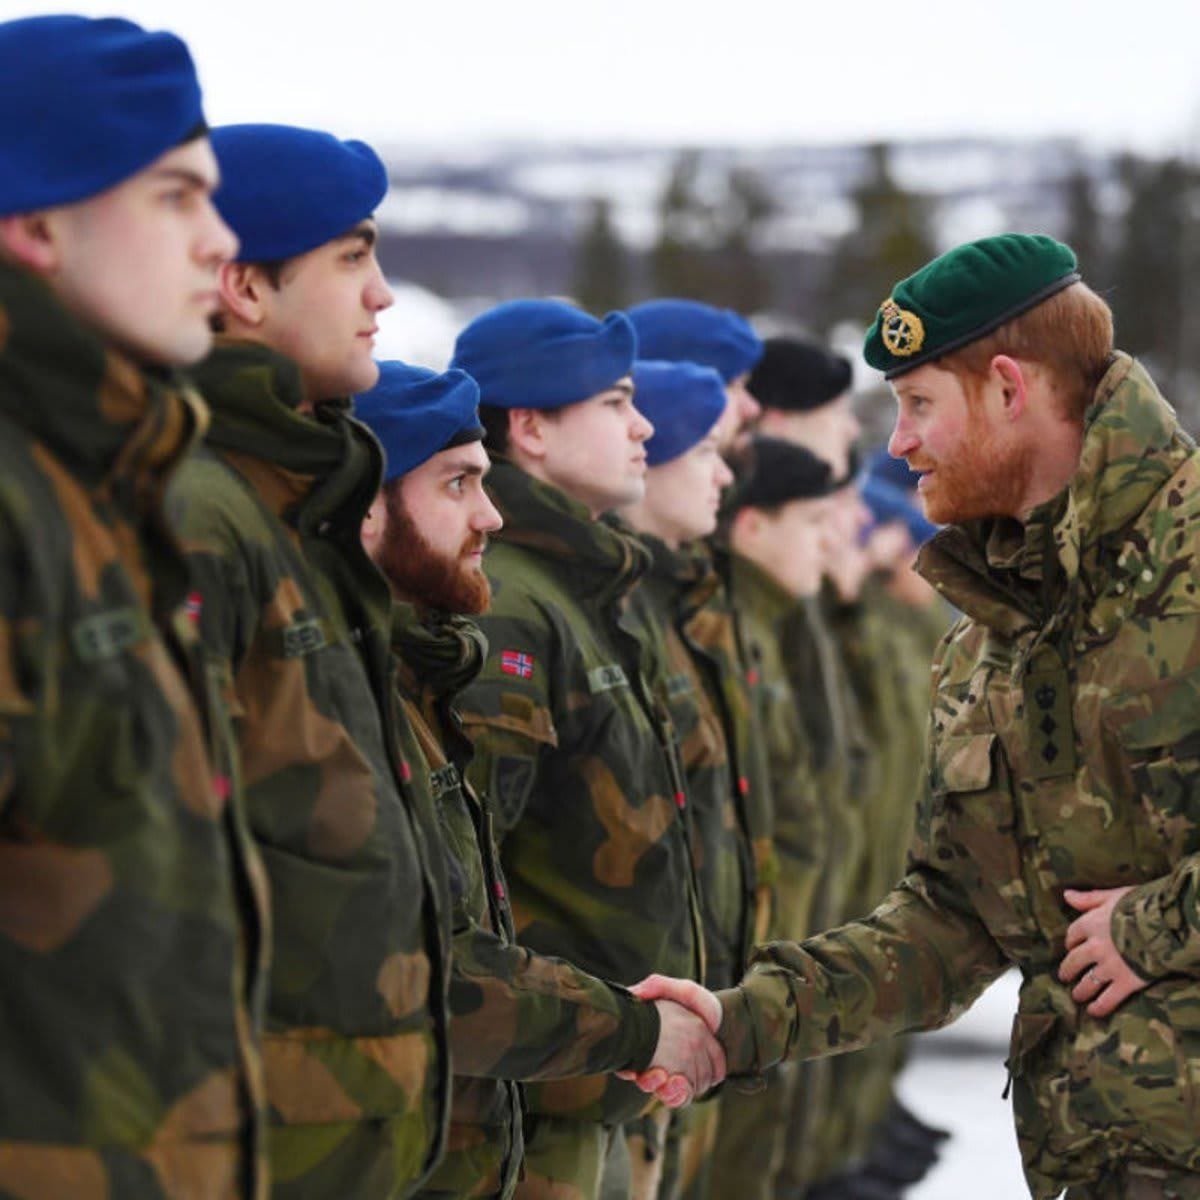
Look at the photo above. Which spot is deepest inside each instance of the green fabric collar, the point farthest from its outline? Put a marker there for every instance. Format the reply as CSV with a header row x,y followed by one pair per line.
x,y
104,417
255,394
755,588
538,517
441,652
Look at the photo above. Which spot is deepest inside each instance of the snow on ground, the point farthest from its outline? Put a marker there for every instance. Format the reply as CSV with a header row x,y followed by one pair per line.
x,y
954,1078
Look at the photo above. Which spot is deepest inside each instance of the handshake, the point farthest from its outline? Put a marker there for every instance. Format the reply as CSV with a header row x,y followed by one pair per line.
x,y
688,1059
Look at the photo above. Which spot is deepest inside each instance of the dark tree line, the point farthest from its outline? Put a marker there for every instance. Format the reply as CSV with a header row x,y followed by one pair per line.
x,y
1140,249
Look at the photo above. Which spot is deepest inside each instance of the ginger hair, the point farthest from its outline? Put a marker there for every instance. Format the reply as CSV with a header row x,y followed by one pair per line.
x,y
1070,335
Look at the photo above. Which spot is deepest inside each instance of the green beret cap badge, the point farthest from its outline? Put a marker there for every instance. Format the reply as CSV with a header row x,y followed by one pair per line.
x,y
902,331
964,295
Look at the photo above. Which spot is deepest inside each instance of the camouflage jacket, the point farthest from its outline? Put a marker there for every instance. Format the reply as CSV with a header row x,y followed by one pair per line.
x,y
843,761
356,1047
576,760
132,904
801,821
1063,753
515,1015
700,683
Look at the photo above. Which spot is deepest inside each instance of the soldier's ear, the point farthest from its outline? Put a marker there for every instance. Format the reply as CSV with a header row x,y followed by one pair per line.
x,y
1013,386
527,432
244,292
30,240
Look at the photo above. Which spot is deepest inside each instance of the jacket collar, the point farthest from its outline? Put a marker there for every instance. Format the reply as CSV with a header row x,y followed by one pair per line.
x,y
118,427
327,466
540,518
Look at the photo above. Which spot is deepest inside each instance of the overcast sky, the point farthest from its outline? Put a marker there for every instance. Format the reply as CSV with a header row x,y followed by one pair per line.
x,y
1115,72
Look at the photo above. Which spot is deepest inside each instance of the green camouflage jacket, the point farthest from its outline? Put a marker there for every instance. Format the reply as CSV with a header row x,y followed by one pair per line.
x,y
132,905
843,762
356,1047
722,625
801,820
576,761
1064,752
701,684
515,1015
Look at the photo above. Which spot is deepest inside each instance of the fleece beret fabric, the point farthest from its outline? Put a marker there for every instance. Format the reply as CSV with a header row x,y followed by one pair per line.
x,y
964,295
85,104
285,190
417,413
770,472
688,331
544,354
890,503
798,376
682,401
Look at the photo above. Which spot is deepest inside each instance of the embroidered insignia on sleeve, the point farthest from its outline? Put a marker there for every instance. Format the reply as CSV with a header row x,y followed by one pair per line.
x,y
901,331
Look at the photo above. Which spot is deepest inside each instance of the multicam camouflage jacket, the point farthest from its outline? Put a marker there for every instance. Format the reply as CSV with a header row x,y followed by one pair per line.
x,y
1063,753
515,1015
576,761
356,1046
701,685
132,904
801,820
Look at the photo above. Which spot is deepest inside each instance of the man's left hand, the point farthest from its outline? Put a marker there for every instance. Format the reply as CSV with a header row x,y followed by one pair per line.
x,y
1105,979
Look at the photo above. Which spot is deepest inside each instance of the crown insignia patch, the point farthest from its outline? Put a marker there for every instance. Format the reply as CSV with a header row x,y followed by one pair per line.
x,y
901,331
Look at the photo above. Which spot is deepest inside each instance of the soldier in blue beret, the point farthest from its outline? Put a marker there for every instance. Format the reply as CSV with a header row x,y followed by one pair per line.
x,y
689,331
1056,831
131,911
296,622
572,750
516,1015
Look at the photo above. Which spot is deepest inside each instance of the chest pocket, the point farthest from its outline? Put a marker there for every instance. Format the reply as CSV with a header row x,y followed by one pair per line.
x,y
508,739
1158,731
966,829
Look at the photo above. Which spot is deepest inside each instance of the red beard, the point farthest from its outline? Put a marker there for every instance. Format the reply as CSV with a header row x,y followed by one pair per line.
x,y
983,479
430,579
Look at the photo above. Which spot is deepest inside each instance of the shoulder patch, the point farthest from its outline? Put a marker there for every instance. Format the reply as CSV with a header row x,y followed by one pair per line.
x,y
512,781
516,662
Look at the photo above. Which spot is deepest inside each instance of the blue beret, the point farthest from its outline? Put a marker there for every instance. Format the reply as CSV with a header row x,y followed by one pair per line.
x,y
544,354
894,471
889,503
681,400
285,191
416,413
688,331
85,104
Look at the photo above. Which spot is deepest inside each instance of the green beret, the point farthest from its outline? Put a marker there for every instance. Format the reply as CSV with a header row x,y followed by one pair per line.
x,y
964,295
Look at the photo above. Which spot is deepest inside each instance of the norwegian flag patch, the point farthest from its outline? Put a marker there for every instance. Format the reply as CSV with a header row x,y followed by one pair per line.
x,y
192,606
515,662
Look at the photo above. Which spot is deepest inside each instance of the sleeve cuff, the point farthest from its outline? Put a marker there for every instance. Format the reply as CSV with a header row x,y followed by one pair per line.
x,y
640,1026
1149,931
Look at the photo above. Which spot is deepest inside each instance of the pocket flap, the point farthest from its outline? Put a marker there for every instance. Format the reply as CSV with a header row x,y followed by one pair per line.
x,y
963,763
1029,1032
517,714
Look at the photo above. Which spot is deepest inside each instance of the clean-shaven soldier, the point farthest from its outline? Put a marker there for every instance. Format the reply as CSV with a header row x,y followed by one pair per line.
x,y
357,1069
515,1015
701,688
132,906
573,749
